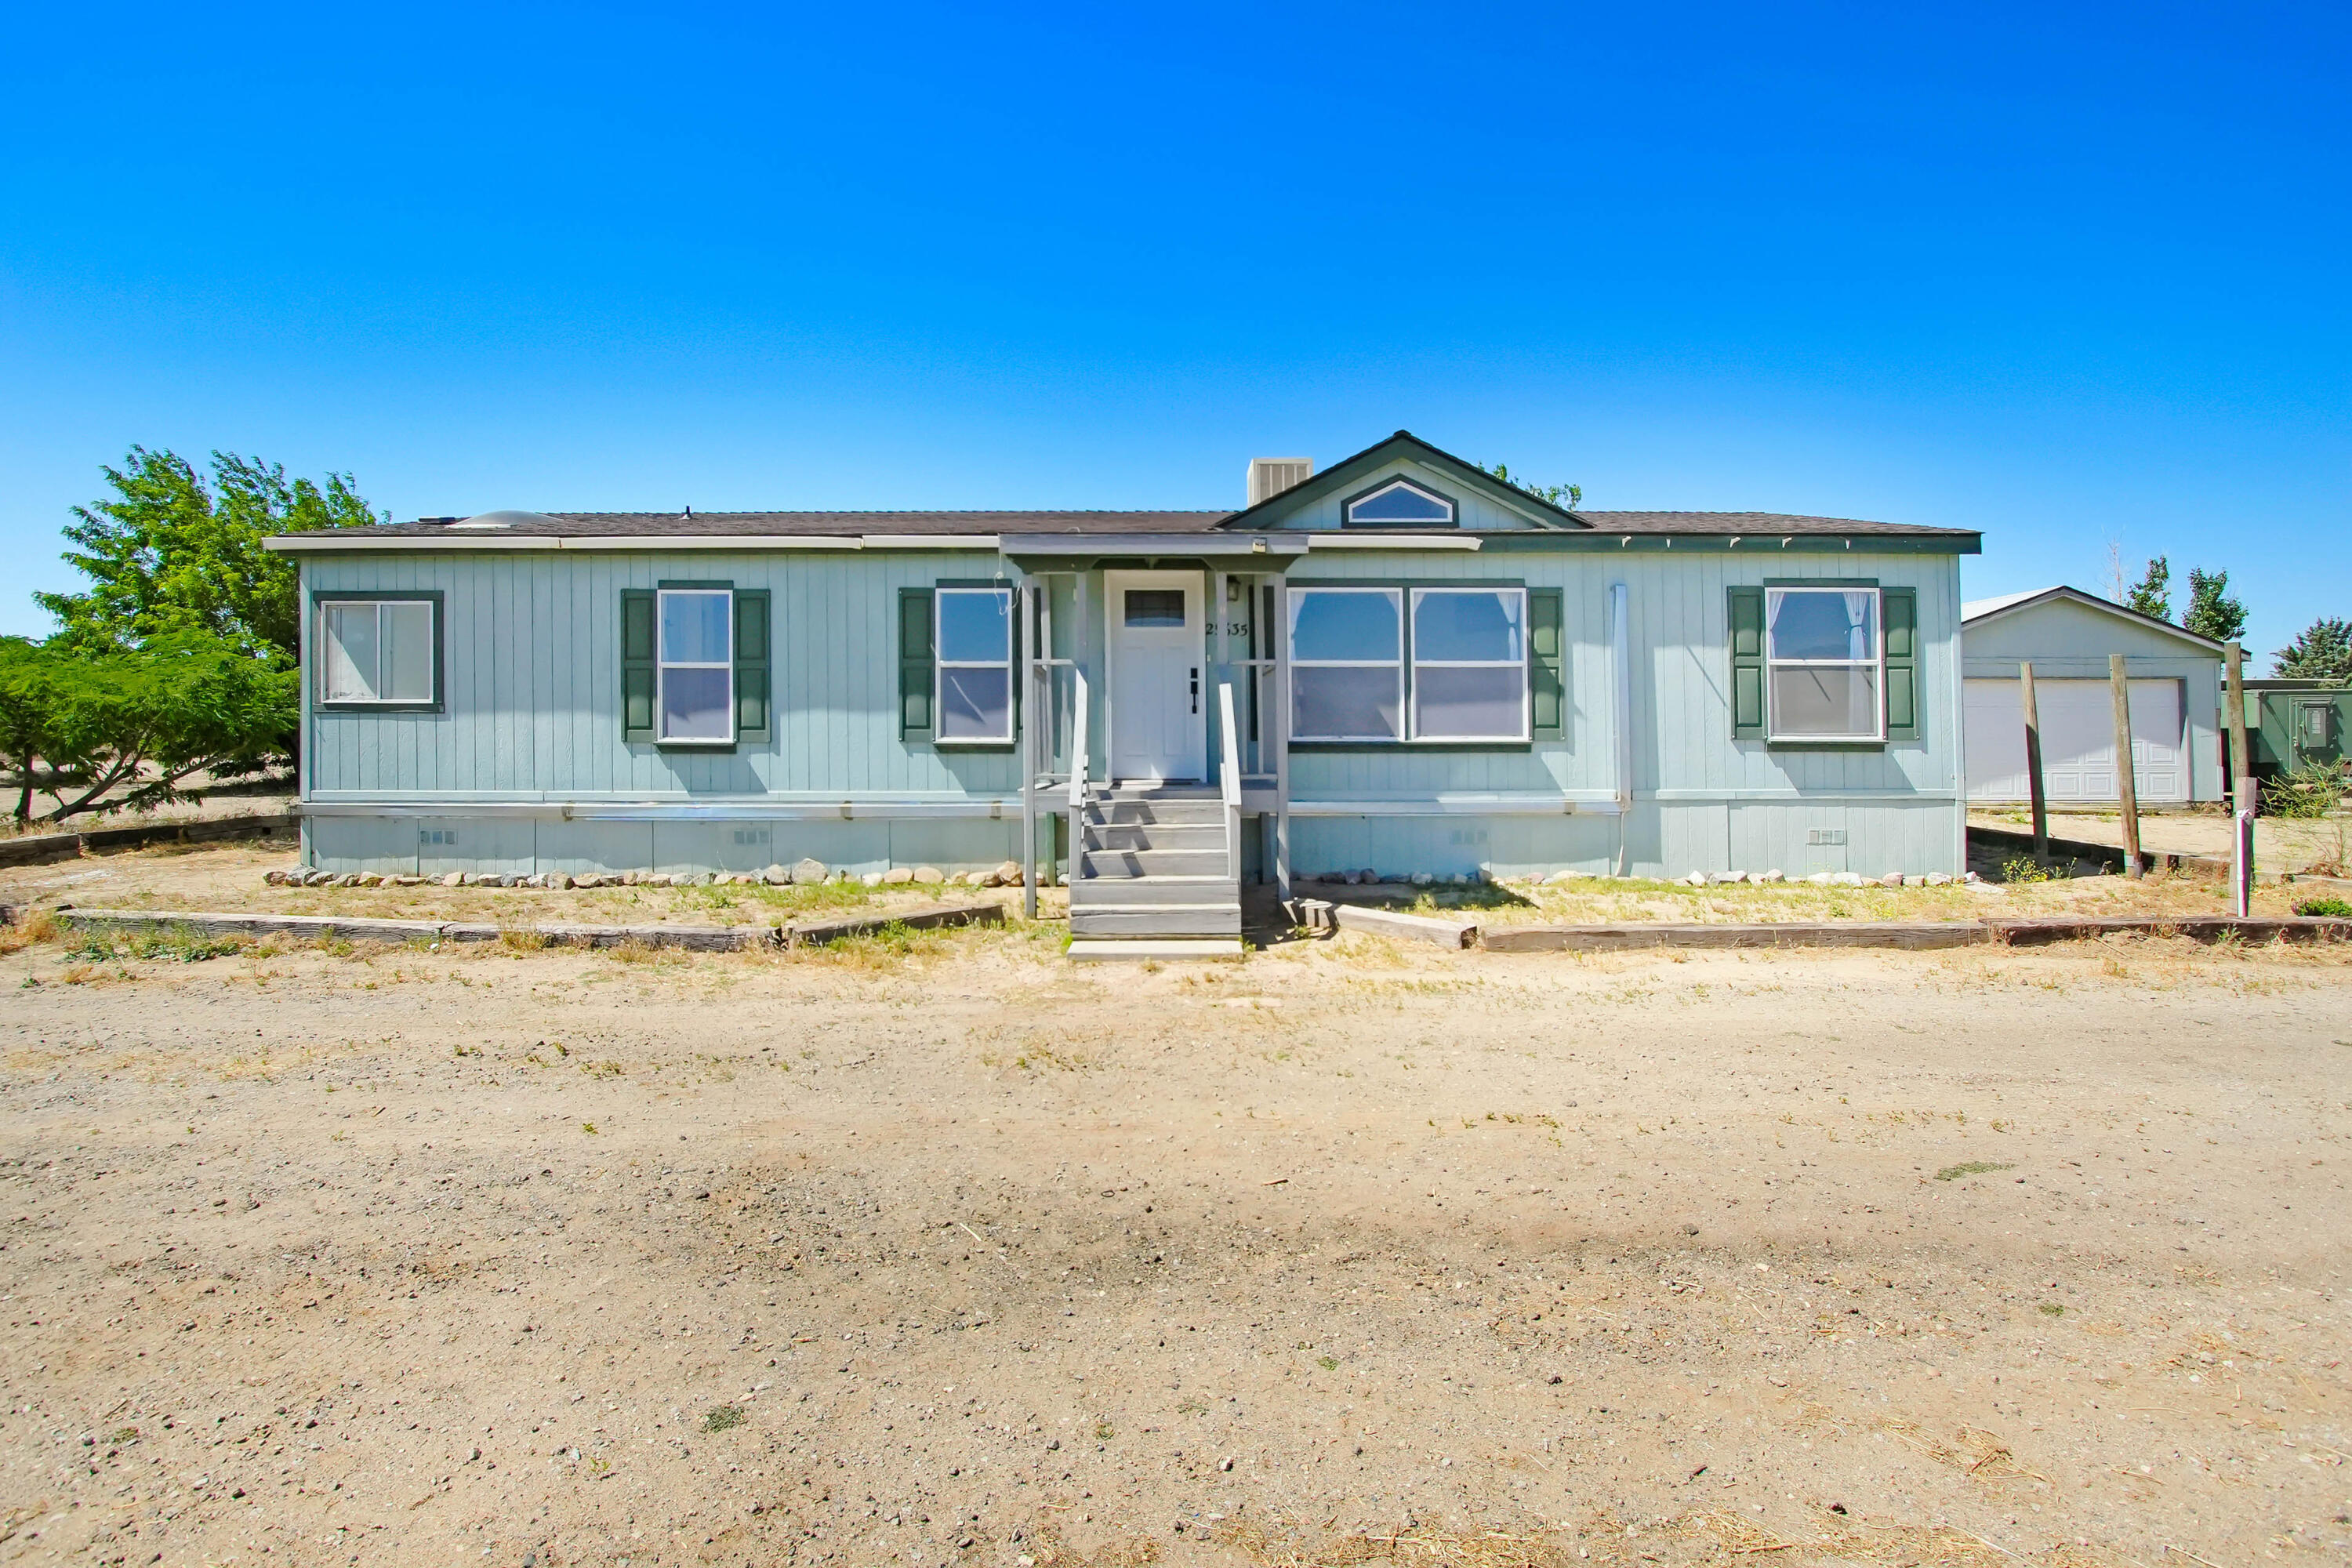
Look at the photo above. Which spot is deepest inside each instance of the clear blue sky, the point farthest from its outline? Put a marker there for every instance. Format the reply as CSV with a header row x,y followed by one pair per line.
x,y
2063,275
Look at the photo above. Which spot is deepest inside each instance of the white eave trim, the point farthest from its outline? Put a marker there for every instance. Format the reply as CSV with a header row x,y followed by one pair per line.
x,y
327,542
1368,540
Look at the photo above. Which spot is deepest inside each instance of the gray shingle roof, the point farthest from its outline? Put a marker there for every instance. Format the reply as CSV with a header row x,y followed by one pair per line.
x,y
658,525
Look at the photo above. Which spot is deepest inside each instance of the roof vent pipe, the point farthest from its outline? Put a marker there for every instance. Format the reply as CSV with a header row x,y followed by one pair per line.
x,y
1269,476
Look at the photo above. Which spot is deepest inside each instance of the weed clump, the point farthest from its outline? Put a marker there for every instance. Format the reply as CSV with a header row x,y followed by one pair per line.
x,y
1973,1168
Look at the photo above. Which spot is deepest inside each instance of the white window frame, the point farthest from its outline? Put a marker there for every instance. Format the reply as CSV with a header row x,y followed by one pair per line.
x,y
663,665
1527,684
1877,661
432,608
1453,508
942,664
1404,632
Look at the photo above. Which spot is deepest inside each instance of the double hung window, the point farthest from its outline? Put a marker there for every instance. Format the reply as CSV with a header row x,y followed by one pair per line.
x,y
974,639
1347,664
1470,664
377,652
1823,664
696,666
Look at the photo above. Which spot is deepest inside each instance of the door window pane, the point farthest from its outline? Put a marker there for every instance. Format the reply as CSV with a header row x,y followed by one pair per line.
x,y
1344,702
1155,607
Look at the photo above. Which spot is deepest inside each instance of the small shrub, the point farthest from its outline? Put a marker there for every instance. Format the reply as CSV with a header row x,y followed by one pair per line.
x,y
1973,1168
2051,1309
2312,791
2341,908
2026,869
722,1416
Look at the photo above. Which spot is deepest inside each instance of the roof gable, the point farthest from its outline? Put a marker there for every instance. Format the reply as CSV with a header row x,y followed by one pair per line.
x,y
1980,614
1380,479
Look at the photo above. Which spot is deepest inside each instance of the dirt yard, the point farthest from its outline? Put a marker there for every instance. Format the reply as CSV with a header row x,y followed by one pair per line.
x,y
947,1251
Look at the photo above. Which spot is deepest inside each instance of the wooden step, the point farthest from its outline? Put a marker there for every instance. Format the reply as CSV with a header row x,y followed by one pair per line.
x,y
1098,892
1209,813
1159,919
1152,862
1155,836
1135,950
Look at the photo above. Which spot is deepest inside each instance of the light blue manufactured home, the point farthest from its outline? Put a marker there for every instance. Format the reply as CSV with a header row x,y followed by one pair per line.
x,y
1399,663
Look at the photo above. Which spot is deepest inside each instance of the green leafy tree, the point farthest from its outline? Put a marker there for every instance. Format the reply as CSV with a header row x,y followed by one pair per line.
x,y
2152,596
168,552
2321,651
2213,612
1566,496
111,730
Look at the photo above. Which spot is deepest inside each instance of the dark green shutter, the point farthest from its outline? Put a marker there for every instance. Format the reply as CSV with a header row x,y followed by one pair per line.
x,y
1900,608
917,674
637,677
753,703
1748,664
1546,663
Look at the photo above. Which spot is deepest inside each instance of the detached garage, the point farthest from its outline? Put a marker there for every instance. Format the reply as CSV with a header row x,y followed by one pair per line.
x,y
2068,634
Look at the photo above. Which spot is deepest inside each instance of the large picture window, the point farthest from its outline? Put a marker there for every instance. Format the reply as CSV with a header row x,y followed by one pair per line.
x,y
1822,654
974,638
697,666
377,653
1347,664
1470,664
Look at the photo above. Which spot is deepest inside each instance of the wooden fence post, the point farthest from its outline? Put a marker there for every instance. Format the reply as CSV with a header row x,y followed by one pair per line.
x,y
2126,786
2032,708
2241,789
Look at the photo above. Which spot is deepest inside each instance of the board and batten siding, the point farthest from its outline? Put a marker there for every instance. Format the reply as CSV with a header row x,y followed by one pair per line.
x,y
1702,800
532,705
529,724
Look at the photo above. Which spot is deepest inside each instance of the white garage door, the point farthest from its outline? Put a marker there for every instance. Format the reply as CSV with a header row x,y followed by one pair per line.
x,y
2078,741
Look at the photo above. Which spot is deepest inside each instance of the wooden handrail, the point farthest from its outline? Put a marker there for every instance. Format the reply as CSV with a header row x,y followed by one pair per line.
x,y
1079,747
1229,775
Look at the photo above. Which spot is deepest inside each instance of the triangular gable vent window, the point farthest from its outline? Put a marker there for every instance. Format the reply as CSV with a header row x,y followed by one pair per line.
x,y
1399,503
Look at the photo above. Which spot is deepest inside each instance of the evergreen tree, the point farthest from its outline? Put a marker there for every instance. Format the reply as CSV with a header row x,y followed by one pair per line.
x,y
2213,612
2152,596
2322,651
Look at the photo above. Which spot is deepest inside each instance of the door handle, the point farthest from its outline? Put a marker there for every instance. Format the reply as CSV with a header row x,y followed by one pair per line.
x,y
1196,688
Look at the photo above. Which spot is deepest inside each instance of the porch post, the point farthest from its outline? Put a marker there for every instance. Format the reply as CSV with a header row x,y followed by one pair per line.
x,y
1279,714
1223,645
1038,714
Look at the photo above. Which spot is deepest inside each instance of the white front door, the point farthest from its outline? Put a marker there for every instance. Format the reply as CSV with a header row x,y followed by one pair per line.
x,y
1157,676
